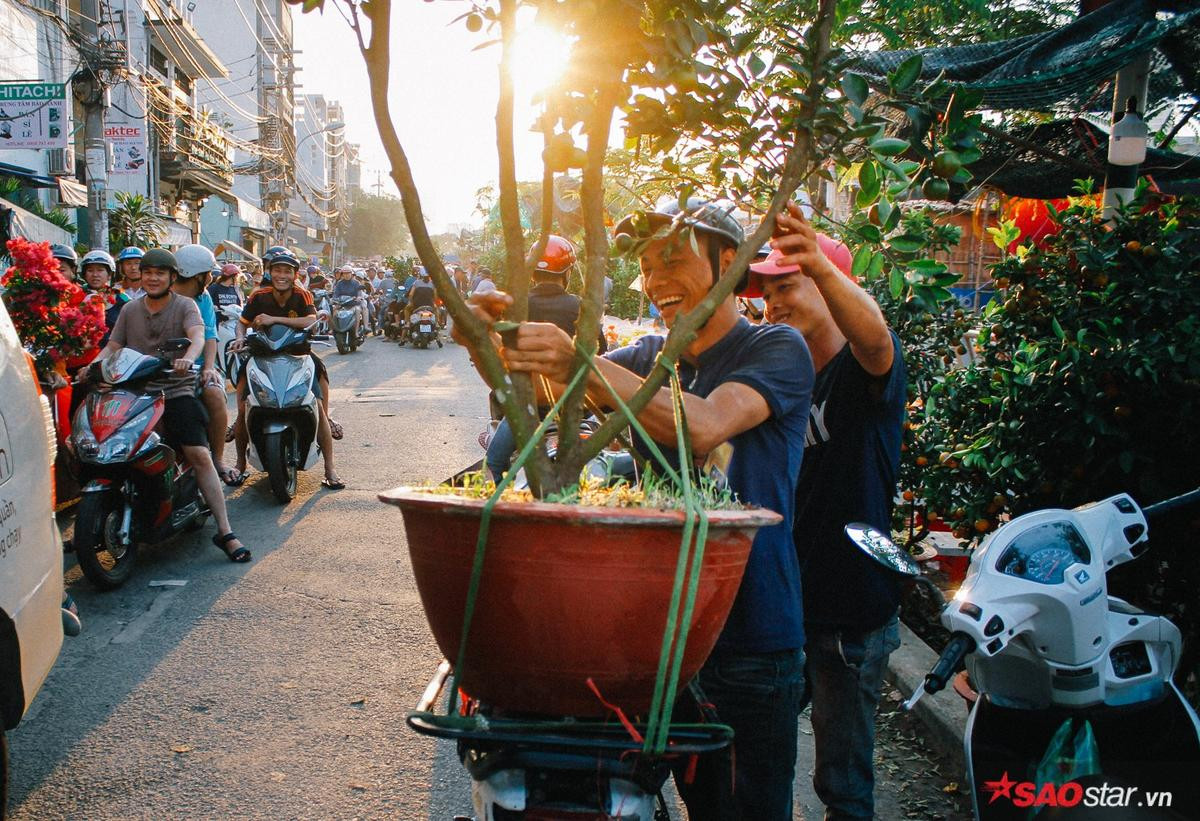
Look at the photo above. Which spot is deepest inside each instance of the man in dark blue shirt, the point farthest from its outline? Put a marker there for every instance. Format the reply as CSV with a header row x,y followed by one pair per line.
x,y
747,403
851,457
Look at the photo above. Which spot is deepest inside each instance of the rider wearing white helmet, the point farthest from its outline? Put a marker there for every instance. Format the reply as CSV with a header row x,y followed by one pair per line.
x,y
99,269
195,272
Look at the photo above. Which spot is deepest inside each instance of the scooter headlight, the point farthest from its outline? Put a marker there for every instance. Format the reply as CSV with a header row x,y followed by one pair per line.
x,y
119,447
261,390
296,392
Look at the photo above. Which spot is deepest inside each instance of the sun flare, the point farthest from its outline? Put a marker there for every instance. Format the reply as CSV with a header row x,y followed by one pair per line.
x,y
541,56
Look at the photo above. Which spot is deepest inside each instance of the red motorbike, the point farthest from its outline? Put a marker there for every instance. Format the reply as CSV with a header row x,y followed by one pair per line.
x,y
135,488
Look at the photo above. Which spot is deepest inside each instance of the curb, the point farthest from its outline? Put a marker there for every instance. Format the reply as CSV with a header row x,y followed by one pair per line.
x,y
944,713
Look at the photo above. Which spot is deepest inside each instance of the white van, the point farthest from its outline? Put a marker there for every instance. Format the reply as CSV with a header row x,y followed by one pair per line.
x,y
31,563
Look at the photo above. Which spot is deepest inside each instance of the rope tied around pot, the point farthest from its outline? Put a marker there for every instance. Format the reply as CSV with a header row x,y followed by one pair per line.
x,y
687,568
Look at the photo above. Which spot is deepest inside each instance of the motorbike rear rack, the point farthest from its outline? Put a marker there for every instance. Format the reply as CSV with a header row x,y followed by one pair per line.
x,y
550,733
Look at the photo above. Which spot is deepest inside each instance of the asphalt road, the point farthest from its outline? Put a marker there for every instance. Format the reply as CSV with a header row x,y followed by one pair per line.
x,y
277,689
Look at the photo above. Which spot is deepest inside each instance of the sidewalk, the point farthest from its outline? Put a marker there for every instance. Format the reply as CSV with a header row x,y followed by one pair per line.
x,y
943,714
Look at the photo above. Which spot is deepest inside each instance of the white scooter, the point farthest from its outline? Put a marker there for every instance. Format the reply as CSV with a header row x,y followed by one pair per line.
x,y
227,322
1071,681
281,409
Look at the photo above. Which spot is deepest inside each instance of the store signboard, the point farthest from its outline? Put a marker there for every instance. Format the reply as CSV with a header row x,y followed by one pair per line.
x,y
33,115
128,141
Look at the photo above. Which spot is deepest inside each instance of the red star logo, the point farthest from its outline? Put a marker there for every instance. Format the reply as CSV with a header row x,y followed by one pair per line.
x,y
1003,787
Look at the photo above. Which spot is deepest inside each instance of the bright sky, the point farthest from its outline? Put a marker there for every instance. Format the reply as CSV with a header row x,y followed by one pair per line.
x,y
443,101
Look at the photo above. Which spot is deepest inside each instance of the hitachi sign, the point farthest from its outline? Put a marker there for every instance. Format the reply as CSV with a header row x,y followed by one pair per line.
x,y
31,91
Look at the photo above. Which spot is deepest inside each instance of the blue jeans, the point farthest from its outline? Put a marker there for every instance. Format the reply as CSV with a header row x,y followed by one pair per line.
x,y
500,450
845,670
760,697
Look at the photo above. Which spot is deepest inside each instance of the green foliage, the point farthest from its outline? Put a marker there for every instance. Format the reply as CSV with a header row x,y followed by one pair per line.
x,y
133,222
376,226
12,190
1089,356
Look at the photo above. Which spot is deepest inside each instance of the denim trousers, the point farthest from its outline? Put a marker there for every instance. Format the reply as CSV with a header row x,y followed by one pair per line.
x,y
845,670
500,450
759,696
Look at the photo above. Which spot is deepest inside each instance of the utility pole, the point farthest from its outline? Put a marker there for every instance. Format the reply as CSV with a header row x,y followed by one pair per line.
x,y
92,93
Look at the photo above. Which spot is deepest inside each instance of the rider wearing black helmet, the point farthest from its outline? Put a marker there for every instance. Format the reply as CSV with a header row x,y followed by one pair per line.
x,y
747,390
280,301
144,325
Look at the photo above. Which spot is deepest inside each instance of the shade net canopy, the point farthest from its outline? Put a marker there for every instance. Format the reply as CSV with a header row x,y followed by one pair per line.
x,y
1065,67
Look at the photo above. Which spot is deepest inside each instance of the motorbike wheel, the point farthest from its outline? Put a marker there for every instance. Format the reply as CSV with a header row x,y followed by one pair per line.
x,y
279,458
106,563
343,342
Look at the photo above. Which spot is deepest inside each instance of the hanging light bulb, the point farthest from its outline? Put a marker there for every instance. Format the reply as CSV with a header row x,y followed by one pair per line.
x,y
1127,142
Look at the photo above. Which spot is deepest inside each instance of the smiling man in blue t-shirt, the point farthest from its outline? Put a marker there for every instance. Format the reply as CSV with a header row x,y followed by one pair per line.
x,y
851,456
748,387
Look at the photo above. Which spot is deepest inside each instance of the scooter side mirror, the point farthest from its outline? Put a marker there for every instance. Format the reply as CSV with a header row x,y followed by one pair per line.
x,y
176,345
879,546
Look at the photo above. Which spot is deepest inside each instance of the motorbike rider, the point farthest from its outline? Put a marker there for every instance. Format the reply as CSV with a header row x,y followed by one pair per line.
x,y
421,295
144,325
99,271
747,391
548,302
283,303
851,459
129,266
68,261
195,265
224,291
347,285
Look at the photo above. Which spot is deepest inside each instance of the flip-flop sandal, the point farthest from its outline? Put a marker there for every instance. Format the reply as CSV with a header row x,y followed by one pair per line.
x,y
332,484
230,435
241,554
232,477
335,429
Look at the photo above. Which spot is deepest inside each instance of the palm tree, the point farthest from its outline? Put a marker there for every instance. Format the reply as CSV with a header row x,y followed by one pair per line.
x,y
133,222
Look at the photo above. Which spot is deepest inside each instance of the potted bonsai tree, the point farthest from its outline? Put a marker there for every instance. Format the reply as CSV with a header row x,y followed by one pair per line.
x,y
734,101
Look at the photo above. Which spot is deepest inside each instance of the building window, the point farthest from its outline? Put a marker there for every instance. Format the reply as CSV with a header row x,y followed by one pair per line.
x,y
183,83
158,61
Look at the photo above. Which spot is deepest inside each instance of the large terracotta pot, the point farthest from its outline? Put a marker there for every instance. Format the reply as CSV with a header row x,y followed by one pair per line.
x,y
568,593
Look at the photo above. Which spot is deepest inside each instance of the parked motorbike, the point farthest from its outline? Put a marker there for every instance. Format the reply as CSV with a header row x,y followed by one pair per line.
x,y
228,317
321,301
1077,707
136,489
422,329
348,330
281,409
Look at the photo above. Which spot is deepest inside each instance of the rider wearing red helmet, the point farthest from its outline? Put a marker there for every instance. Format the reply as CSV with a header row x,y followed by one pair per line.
x,y
548,298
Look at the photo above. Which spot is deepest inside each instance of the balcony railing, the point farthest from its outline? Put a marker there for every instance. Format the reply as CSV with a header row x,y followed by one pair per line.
x,y
191,144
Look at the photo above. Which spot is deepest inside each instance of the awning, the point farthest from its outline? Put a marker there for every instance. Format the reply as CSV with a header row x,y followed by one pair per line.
x,y
28,175
72,194
227,246
34,228
252,215
174,233
175,36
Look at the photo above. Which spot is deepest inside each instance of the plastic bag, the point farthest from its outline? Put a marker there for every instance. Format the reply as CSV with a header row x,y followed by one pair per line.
x,y
1071,755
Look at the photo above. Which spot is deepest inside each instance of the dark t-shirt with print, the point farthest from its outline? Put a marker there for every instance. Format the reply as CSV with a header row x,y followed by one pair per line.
x,y
763,465
224,295
263,302
851,457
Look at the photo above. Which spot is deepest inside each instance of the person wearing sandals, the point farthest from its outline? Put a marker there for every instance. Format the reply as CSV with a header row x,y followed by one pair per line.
x,y
144,325
283,303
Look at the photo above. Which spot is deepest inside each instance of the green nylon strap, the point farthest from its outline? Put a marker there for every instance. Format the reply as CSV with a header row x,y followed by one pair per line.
x,y
687,573
485,522
667,678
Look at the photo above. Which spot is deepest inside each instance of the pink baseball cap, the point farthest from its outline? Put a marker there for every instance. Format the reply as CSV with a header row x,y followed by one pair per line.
x,y
836,251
